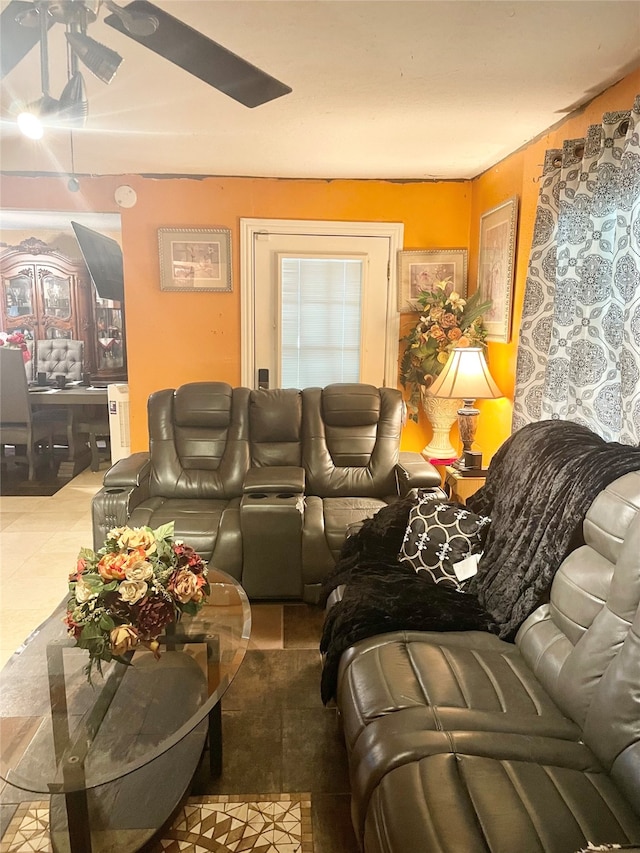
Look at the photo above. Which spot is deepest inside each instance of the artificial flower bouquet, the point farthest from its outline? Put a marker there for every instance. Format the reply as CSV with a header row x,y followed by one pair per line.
x,y
16,340
445,321
126,593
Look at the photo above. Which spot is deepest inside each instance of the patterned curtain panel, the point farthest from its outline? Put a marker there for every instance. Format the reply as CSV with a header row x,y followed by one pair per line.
x,y
579,347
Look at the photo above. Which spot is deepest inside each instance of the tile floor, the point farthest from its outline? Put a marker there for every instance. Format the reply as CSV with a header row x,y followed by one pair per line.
x,y
263,823
39,541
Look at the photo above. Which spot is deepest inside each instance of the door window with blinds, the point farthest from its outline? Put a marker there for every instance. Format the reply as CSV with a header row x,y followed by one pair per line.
x,y
319,302
320,306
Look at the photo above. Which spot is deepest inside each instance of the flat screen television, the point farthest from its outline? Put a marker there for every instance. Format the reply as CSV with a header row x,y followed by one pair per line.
x,y
103,257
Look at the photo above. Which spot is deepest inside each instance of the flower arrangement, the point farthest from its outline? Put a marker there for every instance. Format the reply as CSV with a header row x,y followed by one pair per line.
x,y
446,321
16,340
127,592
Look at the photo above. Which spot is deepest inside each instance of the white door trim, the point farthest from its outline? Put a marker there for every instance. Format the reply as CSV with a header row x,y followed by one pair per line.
x,y
394,231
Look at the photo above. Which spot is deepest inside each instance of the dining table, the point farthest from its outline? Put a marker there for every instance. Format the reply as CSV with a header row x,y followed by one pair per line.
x,y
77,400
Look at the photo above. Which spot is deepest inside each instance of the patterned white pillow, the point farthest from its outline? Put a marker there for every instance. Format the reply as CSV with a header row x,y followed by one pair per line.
x,y
439,534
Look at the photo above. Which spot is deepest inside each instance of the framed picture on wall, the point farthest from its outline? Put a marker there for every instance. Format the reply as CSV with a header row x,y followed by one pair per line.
x,y
195,259
420,269
496,260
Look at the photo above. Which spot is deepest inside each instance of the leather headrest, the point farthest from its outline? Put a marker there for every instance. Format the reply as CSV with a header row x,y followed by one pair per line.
x,y
203,404
275,415
346,404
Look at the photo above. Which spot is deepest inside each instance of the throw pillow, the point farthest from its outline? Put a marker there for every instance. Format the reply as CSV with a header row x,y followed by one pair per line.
x,y
439,534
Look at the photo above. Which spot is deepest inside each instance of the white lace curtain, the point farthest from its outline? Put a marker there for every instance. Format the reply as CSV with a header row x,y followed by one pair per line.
x,y
579,347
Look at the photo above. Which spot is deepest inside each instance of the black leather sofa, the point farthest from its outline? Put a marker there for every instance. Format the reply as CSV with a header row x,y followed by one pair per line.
x,y
463,743
264,484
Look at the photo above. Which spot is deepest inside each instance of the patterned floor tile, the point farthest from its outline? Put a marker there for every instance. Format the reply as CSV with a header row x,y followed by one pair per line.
x,y
257,823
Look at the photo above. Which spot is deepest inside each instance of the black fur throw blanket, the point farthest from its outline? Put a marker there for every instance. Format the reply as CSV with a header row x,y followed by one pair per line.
x,y
539,487
383,594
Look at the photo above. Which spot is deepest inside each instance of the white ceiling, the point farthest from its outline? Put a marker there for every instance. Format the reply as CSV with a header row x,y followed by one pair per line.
x,y
413,89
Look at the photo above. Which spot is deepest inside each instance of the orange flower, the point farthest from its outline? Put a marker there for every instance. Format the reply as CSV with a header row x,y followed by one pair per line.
x,y
454,334
115,566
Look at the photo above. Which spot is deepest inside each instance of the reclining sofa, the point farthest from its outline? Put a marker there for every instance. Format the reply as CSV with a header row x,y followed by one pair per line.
x,y
264,484
463,743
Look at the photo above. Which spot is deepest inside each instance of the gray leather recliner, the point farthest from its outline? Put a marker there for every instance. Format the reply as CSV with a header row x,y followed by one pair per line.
x,y
353,467
192,474
464,742
265,483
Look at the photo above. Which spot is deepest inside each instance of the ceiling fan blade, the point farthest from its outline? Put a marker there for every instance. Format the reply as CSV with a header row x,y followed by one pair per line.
x,y
17,40
202,57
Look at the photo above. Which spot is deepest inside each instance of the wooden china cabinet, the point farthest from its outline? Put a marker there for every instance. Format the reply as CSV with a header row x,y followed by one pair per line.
x,y
48,295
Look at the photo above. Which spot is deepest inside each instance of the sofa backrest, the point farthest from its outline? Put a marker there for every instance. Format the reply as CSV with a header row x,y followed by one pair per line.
x,y
351,438
275,427
585,644
199,440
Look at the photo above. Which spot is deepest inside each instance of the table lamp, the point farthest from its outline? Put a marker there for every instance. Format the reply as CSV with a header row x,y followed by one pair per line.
x,y
466,376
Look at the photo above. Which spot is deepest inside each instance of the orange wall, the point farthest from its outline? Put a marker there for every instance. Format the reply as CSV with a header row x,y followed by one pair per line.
x,y
180,337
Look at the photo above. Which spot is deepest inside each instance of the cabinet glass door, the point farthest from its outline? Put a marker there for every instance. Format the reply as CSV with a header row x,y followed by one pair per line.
x,y
109,334
56,294
18,296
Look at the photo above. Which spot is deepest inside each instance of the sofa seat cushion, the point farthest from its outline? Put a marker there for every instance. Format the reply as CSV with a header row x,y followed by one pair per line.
x,y
455,680
473,803
340,513
198,522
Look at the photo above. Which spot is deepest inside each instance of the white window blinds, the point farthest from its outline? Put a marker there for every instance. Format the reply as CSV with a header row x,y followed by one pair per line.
x,y
320,311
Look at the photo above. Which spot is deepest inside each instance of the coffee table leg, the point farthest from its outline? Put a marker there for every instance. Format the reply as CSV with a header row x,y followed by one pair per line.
x,y
78,822
215,714
215,740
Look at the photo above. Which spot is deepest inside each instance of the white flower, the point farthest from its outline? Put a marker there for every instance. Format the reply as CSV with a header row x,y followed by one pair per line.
x,y
132,591
83,591
139,572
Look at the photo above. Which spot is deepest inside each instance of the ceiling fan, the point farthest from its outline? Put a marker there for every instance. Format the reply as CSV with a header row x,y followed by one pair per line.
x,y
25,23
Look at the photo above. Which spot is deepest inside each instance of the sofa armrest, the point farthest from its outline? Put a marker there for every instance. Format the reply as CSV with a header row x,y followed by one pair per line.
x,y
414,472
274,478
126,485
131,471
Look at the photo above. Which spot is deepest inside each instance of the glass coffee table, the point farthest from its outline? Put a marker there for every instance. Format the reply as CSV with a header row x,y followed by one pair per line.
x,y
118,755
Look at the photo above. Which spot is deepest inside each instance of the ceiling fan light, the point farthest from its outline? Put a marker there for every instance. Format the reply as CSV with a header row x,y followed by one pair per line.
x,y
74,106
99,59
30,120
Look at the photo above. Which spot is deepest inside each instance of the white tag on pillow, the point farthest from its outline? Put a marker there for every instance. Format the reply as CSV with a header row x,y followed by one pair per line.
x,y
467,568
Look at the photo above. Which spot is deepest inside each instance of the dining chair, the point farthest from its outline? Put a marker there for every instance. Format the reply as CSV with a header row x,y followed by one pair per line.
x,y
60,356
20,425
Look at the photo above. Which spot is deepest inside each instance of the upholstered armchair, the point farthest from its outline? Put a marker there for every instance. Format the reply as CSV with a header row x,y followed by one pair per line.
x,y
19,424
192,474
60,356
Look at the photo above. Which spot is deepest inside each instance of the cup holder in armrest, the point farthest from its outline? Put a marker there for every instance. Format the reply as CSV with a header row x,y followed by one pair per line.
x,y
255,496
286,495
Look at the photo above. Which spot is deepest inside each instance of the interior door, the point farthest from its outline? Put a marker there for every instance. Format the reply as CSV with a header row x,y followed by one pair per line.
x,y
377,330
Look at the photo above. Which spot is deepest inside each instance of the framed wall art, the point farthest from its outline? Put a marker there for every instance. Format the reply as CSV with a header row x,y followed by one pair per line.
x,y
496,260
195,259
420,269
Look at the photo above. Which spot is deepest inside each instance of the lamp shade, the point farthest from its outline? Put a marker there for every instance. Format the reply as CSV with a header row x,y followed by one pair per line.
x,y
466,376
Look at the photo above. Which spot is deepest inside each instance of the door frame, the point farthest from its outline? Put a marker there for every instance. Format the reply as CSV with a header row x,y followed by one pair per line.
x,y
249,228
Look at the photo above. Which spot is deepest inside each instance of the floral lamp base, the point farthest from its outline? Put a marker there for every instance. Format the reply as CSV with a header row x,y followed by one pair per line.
x,y
441,412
